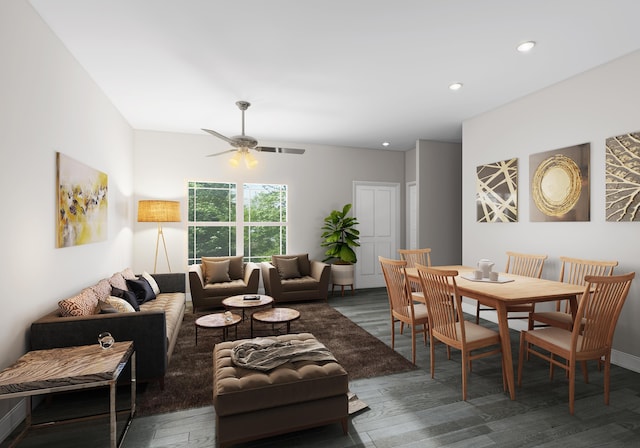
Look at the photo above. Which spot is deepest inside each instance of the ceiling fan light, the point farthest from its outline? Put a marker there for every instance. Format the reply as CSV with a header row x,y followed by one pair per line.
x,y
249,160
235,160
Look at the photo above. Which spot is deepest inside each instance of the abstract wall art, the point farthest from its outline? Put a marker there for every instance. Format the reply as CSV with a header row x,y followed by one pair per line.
x,y
623,177
560,184
497,191
82,203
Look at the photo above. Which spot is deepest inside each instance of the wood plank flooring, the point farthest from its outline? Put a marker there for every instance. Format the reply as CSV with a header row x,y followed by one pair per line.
x,y
412,410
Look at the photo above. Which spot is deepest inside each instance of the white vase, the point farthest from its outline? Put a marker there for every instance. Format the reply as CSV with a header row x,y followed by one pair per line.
x,y
342,274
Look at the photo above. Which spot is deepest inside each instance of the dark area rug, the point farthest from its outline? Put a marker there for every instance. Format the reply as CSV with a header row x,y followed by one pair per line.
x,y
188,383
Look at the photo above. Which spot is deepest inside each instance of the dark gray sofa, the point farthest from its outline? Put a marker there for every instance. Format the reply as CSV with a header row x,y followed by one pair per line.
x,y
154,329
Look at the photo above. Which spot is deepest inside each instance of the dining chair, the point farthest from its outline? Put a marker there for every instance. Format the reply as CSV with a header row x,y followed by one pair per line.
x,y
402,307
413,257
527,265
598,310
574,271
447,324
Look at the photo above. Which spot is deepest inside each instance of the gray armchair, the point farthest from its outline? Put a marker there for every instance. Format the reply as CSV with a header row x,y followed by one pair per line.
x,y
291,278
217,278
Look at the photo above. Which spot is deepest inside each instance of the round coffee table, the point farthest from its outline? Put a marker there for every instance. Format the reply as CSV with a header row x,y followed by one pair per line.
x,y
240,302
223,321
275,316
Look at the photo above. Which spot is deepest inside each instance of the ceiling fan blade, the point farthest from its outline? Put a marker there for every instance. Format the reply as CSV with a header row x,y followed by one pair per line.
x,y
220,153
216,134
279,150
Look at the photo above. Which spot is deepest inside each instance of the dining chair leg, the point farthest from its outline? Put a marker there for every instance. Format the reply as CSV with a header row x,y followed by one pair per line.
x,y
465,361
607,378
523,347
432,355
413,344
585,372
393,333
572,385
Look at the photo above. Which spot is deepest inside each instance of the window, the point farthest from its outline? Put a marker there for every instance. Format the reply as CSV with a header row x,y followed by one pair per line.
x,y
224,220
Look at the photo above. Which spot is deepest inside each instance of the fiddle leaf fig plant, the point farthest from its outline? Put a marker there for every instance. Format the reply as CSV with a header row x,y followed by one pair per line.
x,y
340,236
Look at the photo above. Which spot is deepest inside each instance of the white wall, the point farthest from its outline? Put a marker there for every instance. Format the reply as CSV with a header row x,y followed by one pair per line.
x,y
589,108
319,181
48,104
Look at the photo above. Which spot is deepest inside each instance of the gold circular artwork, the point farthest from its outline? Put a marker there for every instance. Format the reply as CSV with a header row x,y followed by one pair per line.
x,y
556,185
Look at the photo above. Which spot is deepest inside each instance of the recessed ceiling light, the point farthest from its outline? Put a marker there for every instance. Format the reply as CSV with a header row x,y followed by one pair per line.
x,y
525,47
455,86
385,144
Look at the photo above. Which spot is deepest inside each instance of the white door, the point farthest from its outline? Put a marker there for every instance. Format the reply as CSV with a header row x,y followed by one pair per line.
x,y
377,208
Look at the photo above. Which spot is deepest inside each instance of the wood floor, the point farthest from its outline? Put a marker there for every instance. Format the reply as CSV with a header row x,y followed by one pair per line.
x,y
412,410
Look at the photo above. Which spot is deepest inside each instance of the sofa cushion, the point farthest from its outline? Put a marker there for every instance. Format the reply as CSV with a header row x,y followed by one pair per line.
x,y
152,282
128,274
83,304
288,268
172,303
236,266
142,289
299,284
118,281
126,295
304,266
216,271
120,305
102,289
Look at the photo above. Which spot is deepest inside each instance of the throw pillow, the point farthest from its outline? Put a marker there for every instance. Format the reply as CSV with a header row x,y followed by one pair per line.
x,y
288,268
106,308
118,281
128,274
83,304
236,265
142,289
121,305
102,289
152,282
126,295
217,271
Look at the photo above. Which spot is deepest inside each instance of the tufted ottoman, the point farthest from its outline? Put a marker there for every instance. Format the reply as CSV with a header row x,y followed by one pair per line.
x,y
251,404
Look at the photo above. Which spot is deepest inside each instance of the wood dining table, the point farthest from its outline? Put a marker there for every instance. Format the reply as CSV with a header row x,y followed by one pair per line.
x,y
505,292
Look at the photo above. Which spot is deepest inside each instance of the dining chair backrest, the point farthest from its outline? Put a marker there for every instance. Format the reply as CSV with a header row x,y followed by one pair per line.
x,y
416,256
397,289
527,265
599,310
439,286
575,270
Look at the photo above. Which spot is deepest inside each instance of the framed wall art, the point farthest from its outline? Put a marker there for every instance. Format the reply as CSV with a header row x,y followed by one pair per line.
x,y
560,184
497,191
82,203
623,177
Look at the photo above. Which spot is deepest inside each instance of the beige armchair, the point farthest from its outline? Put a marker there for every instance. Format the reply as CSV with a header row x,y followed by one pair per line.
x,y
217,278
291,278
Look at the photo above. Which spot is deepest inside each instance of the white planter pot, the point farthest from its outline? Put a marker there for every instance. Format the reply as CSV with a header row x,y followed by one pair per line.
x,y
342,274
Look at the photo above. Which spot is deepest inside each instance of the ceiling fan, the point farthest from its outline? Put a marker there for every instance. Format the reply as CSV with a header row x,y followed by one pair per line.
x,y
242,144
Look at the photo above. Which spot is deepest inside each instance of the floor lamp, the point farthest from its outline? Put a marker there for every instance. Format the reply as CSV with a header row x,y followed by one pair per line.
x,y
159,211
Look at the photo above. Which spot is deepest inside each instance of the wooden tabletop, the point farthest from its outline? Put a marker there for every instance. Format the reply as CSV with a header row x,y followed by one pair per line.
x,y
217,320
276,315
65,367
240,302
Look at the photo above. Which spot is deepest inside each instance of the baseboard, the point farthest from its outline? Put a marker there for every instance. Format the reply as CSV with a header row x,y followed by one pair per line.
x,y
618,358
13,419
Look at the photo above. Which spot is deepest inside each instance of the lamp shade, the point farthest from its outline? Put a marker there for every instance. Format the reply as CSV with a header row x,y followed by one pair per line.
x,y
158,211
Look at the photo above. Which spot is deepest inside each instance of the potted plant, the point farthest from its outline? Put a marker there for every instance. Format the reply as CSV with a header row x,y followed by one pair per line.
x,y
340,237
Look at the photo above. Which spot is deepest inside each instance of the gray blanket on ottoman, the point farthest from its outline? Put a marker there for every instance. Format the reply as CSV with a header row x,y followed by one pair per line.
x,y
266,354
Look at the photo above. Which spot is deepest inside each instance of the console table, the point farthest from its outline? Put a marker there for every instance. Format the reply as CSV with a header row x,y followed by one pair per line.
x,y
70,368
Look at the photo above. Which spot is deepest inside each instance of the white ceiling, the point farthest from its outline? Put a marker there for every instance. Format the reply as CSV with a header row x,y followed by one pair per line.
x,y
337,72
